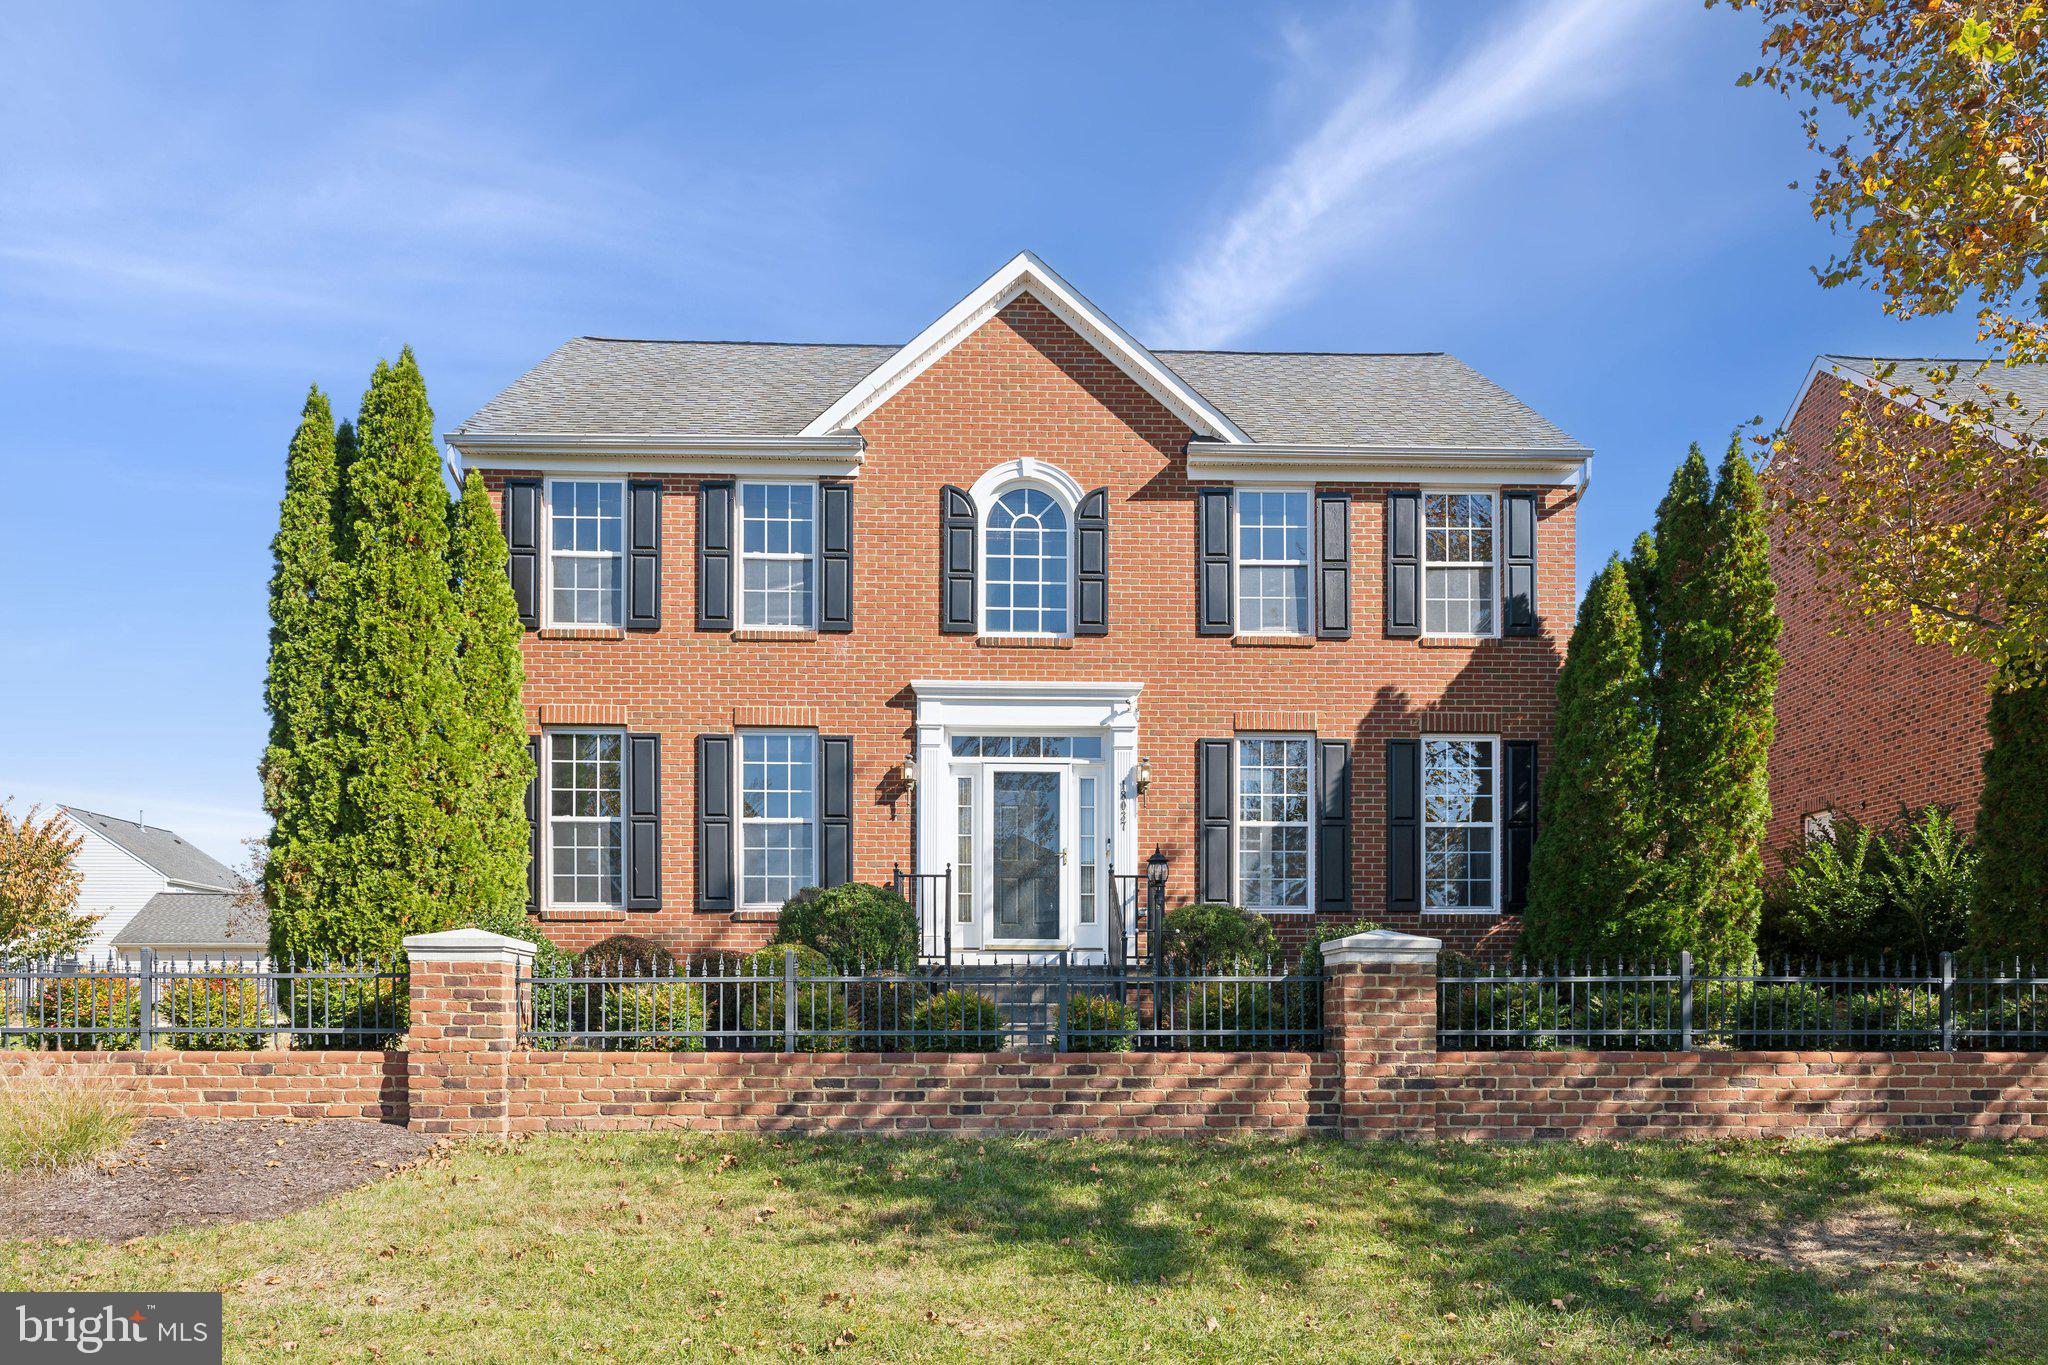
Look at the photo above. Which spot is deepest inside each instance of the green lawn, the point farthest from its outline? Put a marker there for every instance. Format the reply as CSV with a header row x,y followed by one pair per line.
x,y
648,1246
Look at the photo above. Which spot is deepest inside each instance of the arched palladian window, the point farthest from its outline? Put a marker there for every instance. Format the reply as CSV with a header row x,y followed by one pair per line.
x,y
1027,552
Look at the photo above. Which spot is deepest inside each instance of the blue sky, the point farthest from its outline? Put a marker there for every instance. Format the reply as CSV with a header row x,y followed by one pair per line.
x,y
205,208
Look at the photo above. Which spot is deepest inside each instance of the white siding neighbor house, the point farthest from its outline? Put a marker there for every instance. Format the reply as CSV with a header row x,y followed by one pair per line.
x,y
150,888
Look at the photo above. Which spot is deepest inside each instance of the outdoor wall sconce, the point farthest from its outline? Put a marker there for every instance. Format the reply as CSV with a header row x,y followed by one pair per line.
x,y
1141,776
908,772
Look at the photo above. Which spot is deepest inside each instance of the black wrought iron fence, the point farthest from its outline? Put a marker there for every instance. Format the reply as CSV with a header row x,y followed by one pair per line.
x,y
1947,1004
932,900
149,1001
791,1004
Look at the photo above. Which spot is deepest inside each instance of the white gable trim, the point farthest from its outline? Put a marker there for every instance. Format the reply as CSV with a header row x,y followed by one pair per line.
x,y
1025,274
1446,466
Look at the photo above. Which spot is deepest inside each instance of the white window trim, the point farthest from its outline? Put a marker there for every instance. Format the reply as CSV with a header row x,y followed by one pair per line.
x,y
548,818
741,555
740,820
1237,822
1424,824
1237,564
548,551
982,578
1422,556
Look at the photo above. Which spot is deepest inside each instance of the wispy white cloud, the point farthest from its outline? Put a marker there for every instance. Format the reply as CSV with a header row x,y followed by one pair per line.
x,y
1397,137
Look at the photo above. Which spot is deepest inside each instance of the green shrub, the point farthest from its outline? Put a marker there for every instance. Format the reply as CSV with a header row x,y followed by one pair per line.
x,y
1098,1023
108,1006
1856,894
1312,951
549,1007
1757,1017
882,1007
347,1012
856,926
1208,936
2015,1023
1897,1018
217,1013
754,1010
1228,1016
655,1016
956,1021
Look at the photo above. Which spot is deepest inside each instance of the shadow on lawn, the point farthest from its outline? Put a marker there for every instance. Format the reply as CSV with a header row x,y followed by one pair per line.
x,y
1626,1233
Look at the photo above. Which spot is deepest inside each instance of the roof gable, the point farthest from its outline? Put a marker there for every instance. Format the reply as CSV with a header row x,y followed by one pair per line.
x,y
1026,274
159,849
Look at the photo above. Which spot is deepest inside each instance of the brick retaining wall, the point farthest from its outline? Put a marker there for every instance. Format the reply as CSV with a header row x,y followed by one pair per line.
x,y
1381,1076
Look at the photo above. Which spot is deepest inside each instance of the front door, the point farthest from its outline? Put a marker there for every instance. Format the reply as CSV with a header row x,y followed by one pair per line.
x,y
1028,852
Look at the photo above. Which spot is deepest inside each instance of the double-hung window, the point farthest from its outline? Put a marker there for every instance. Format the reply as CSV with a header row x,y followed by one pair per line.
x,y
1274,784
585,775
586,551
1458,570
778,816
778,555
1273,562
1458,815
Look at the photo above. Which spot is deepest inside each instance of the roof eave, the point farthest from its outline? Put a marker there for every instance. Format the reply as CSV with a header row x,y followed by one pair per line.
x,y
1267,461
680,452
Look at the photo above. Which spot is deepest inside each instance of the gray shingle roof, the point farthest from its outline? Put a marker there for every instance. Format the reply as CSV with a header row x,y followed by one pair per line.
x,y
2027,383
160,848
602,386
196,919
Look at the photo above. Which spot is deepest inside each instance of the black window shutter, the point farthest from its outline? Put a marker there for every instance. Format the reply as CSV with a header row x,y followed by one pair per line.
x,y
1333,825
835,808
1404,564
714,822
1213,772
1518,515
1333,565
1091,564
1214,614
1404,824
643,822
533,826
714,555
643,554
522,538
835,557
956,554
1518,832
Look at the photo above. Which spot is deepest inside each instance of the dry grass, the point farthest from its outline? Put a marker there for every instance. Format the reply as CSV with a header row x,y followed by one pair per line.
x,y
47,1124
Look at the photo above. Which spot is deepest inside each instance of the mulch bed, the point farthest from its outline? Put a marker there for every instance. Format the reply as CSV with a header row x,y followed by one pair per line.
x,y
178,1172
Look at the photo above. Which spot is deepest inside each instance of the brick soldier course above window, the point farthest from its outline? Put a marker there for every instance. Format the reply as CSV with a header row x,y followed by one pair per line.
x,y
1023,522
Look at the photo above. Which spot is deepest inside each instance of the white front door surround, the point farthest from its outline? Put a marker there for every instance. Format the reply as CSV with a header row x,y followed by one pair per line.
x,y
1108,710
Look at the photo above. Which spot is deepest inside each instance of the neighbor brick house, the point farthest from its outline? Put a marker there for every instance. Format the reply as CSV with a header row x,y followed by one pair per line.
x,y
1869,722
1015,606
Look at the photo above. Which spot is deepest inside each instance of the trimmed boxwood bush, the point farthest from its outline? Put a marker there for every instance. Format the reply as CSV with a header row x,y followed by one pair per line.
x,y
1215,1016
347,1013
1903,1018
1098,1023
109,1003
755,1011
662,1016
225,1012
882,1006
956,1021
1208,936
1765,1017
856,926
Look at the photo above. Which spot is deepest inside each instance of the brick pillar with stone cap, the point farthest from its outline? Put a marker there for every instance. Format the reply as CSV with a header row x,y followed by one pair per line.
x,y
1379,1018
465,1025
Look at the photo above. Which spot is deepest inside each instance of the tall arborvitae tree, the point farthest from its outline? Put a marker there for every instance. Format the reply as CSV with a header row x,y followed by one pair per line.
x,y
1715,689
491,676
396,699
1586,879
301,792
1642,590
2010,916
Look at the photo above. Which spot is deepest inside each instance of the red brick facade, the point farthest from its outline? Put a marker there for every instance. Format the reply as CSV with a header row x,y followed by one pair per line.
x,y
1868,720
1025,384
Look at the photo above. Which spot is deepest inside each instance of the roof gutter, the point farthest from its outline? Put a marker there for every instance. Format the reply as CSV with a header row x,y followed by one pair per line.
x,y
1273,462
834,456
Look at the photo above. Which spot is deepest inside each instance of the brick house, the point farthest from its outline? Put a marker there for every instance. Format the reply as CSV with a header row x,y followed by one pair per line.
x,y
1015,607
1868,720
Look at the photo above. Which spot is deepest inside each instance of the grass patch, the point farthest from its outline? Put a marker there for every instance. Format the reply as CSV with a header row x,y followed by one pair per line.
x,y
46,1124
650,1246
